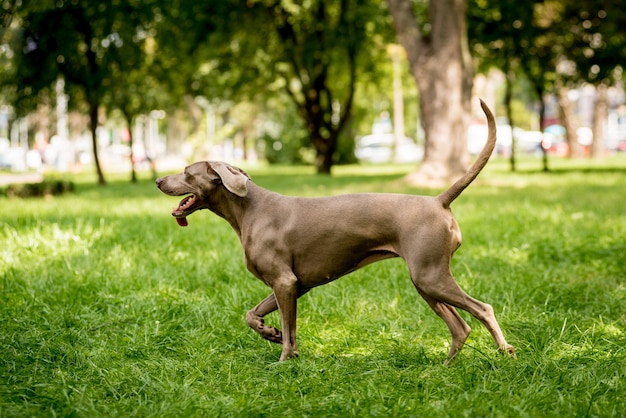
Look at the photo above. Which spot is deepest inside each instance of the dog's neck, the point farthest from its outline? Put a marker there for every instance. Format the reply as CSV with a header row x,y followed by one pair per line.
x,y
234,208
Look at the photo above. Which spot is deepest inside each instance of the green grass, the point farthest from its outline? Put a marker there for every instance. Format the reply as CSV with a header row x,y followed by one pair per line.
x,y
108,308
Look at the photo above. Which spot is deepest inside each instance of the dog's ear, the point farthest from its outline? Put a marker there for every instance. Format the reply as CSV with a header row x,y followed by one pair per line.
x,y
234,179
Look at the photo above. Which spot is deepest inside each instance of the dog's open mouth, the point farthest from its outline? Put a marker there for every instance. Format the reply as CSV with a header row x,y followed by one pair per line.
x,y
185,207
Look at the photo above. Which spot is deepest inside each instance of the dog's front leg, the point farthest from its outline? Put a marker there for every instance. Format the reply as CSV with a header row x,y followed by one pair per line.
x,y
254,318
286,292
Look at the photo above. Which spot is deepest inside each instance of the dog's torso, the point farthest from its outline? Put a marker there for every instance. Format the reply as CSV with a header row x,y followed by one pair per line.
x,y
366,228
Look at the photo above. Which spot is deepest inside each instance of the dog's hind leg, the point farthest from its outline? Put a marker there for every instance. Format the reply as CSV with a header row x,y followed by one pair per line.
x,y
457,326
481,311
435,283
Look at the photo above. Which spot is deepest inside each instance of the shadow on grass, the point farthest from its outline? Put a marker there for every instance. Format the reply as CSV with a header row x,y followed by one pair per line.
x,y
565,170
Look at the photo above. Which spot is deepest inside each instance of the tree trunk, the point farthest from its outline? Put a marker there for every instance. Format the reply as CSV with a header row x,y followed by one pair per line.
x,y
398,102
508,98
567,118
129,123
93,127
324,163
441,66
600,115
320,117
542,118
325,150
148,144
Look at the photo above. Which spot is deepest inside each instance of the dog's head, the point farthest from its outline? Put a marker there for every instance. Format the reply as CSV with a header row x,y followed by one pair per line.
x,y
199,182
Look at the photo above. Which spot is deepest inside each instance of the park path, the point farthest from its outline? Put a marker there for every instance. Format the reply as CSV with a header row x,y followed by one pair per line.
x,y
22,178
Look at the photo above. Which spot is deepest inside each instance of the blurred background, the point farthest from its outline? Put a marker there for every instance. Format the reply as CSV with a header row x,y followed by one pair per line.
x,y
131,85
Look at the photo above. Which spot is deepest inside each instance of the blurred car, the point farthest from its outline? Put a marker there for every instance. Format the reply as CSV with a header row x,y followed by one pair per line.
x,y
12,159
5,163
379,148
554,144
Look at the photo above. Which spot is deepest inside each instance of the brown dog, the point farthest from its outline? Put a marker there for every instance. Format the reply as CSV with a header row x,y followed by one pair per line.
x,y
294,244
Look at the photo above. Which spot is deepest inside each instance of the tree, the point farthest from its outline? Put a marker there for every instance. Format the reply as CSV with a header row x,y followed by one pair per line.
x,y
520,36
558,45
438,53
131,87
307,54
594,42
79,41
496,33
190,40
317,49
313,52
131,93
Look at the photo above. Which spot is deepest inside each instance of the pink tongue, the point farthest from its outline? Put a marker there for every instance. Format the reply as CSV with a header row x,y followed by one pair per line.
x,y
182,221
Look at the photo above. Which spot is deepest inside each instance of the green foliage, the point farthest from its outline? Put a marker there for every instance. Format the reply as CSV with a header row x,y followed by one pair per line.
x,y
327,56
594,39
110,309
317,49
47,187
286,150
285,140
585,38
76,40
516,36
91,46
138,56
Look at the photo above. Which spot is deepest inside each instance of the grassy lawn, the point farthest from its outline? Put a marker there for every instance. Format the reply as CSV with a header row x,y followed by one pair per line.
x,y
108,308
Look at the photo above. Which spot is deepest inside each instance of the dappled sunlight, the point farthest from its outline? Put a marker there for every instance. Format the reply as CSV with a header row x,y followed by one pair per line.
x,y
370,339
579,348
44,240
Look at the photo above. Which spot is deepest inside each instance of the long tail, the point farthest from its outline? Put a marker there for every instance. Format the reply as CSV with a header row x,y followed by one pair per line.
x,y
447,197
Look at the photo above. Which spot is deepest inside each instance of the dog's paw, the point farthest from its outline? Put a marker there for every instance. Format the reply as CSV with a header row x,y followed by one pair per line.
x,y
269,333
272,334
509,350
284,356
